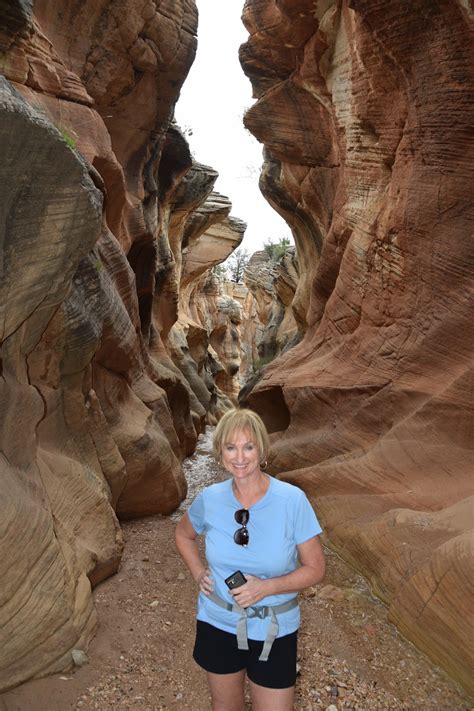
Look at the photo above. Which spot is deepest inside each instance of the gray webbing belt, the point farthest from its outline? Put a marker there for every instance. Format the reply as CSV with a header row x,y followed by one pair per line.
x,y
262,612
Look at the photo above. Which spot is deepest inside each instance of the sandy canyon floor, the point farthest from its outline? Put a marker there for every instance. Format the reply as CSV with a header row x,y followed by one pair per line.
x,y
350,657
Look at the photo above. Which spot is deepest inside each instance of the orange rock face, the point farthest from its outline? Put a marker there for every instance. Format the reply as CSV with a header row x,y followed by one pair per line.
x,y
364,108
95,416
107,377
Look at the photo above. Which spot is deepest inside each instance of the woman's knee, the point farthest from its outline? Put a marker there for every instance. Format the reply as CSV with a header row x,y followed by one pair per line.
x,y
227,691
264,698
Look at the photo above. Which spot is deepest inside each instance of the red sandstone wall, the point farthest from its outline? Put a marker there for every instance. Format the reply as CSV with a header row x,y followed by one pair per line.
x,y
95,416
365,109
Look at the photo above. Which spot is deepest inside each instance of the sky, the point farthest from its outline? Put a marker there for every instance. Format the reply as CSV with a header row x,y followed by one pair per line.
x,y
213,100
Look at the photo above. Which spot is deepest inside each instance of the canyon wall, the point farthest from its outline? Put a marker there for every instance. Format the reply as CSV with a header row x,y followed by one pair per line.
x,y
366,109
205,341
105,379
273,283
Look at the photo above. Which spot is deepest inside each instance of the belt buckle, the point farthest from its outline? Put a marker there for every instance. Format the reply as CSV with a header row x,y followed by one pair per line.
x,y
260,612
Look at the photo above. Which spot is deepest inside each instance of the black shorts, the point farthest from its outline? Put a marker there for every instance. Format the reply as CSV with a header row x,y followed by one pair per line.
x,y
216,651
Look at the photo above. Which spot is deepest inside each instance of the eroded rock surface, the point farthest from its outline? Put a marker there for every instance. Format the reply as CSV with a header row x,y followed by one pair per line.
x,y
205,341
56,523
273,284
364,108
100,201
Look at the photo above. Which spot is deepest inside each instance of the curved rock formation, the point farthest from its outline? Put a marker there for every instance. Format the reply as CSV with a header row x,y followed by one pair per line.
x,y
57,525
205,341
251,328
273,285
100,200
364,108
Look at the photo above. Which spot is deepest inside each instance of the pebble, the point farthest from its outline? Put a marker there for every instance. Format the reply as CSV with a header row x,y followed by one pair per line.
x,y
79,657
155,603
331,592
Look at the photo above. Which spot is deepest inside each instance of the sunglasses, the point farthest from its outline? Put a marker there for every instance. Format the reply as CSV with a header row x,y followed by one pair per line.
x,y
241,536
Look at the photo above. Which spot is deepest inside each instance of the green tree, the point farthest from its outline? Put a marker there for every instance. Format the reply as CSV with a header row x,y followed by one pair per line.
x,y
276,250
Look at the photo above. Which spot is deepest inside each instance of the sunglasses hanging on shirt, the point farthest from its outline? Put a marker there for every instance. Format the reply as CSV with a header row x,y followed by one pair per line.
x,y
241,536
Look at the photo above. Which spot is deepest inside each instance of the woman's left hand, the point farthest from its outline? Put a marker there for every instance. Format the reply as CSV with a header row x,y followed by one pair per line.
x,y
251,592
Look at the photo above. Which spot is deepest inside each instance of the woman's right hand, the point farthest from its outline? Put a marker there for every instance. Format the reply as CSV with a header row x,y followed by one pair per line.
x,y
204,581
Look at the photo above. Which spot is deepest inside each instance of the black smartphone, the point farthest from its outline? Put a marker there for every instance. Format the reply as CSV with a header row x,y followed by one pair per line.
x,y
235,580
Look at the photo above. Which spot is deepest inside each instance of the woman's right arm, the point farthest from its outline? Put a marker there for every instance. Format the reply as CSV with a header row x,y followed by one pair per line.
x,y
186,543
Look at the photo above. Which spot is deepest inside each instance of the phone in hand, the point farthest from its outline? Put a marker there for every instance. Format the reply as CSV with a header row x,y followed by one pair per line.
x,y
235,580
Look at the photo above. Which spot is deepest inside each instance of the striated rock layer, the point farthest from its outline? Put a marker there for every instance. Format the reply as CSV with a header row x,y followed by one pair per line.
x,y
273,284
365,109
102,207
205,340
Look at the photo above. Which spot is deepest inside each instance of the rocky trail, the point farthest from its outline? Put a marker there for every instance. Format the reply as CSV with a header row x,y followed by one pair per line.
x,y
350,657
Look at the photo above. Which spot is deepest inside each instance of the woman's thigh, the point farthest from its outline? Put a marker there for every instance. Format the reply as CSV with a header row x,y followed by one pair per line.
x,y
264,698
279,671
227,691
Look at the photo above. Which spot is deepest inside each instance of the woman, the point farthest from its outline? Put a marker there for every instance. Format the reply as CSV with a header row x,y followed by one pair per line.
x,y
267,530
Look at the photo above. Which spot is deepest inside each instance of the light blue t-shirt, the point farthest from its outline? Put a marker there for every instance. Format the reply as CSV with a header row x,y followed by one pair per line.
x,y
282,519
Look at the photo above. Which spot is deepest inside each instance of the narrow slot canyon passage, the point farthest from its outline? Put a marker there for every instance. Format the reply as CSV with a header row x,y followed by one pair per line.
x,y
144,294
350,657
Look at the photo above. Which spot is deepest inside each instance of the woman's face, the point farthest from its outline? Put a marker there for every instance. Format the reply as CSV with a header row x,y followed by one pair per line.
x,y
240,455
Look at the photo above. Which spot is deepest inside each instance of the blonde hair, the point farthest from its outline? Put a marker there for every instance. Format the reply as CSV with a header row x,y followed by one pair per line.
x,y
241,421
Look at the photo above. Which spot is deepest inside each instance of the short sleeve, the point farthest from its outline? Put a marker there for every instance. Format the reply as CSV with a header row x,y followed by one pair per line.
x,y
306,522
196,513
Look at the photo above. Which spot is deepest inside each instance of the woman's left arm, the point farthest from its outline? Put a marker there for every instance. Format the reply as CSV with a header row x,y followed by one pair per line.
x,y
310,572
